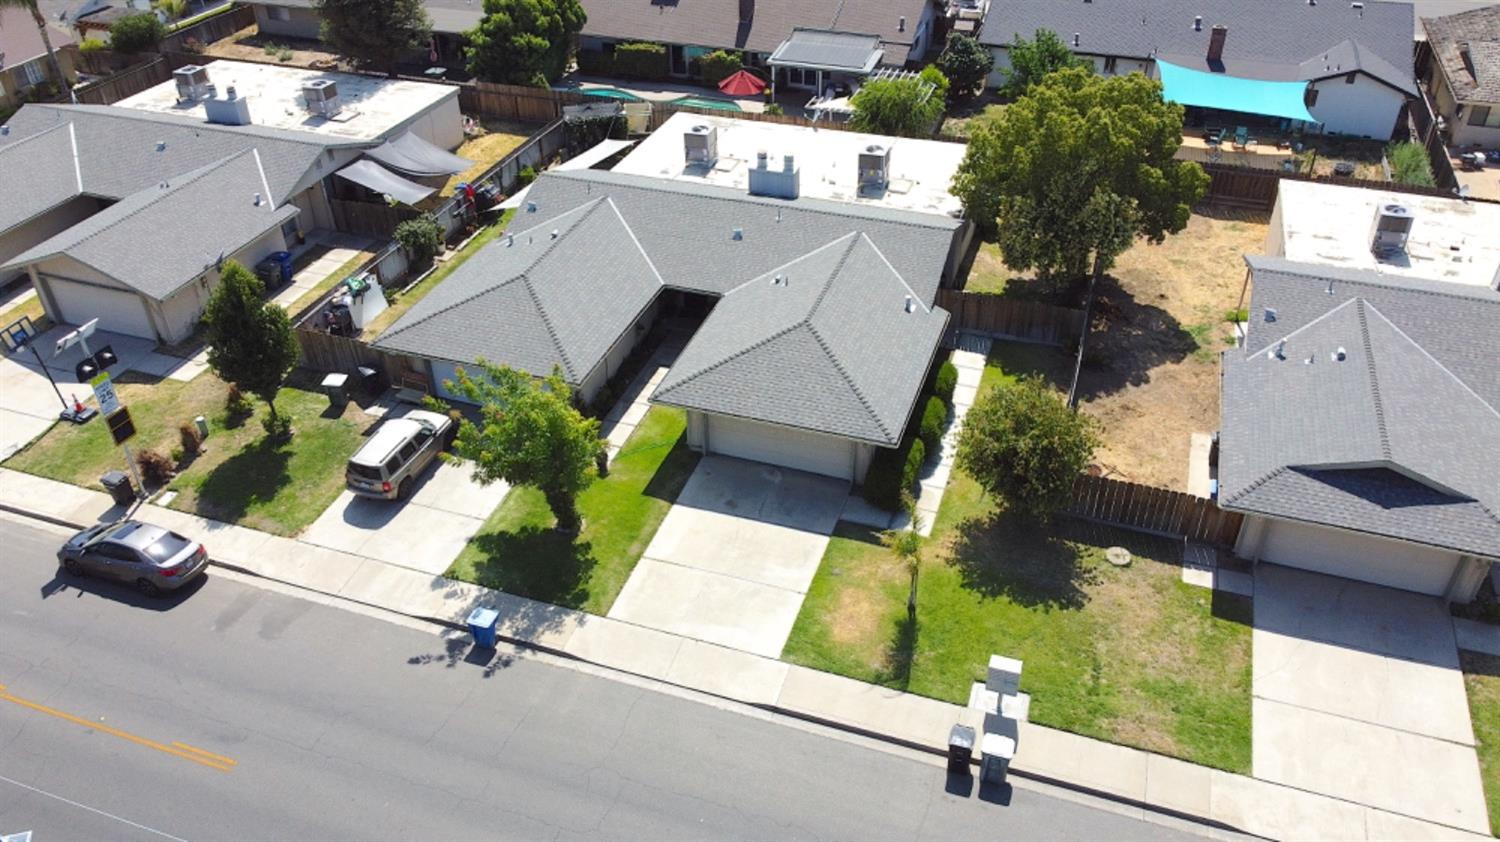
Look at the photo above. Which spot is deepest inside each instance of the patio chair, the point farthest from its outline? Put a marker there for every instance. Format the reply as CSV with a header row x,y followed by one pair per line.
x,y
1213,137
1242,138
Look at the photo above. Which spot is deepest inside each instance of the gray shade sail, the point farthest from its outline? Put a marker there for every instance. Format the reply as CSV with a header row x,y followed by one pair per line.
x,y
411,155
381,180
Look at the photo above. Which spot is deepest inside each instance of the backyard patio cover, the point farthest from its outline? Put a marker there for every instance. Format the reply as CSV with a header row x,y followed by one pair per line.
x,y
381,180
1232,93
414,156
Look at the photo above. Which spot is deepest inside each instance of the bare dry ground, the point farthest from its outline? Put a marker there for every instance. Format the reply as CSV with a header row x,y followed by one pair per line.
x,y
1151,371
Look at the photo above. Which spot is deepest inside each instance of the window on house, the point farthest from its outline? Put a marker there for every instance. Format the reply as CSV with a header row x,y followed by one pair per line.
x,y
279,12
32,73
1109,64
1349,78
1483,115
1310,97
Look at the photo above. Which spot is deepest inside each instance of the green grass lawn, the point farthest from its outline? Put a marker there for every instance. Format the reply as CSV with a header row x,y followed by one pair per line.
x,y
242,477
1482,677
31,308
518,551
403,302
1130,655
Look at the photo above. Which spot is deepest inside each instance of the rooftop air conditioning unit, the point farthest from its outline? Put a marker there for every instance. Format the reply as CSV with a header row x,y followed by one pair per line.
x,y
701,144
1391,230
192,83
322,97
874,166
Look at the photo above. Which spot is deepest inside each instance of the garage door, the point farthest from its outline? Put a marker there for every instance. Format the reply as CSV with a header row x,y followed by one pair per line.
x,y
1359,557
780,446
117,311
442,372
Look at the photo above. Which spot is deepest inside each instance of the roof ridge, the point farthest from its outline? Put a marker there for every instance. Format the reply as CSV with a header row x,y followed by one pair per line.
x,y
1428,355
536,299
894,271
459,303
848,381
634,239
1256,484
1330,312
666,388
834,273
541,310
1364,332
29,138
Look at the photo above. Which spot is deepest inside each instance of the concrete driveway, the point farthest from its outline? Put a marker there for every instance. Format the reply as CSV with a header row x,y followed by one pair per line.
x,y
733,558
424,533
28,404
1358,694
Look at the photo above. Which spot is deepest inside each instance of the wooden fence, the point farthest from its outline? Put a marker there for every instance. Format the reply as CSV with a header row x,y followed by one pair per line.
x,y
1253,187
128,82
372,219
1157,511
209,30
516,102
326,352
1008,318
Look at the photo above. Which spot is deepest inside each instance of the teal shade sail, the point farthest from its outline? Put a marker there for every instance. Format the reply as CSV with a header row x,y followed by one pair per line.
x,y
1232,93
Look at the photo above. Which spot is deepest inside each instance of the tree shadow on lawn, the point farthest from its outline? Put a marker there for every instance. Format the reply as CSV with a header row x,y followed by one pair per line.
x,y
537,563
254,475
1005,555
900,654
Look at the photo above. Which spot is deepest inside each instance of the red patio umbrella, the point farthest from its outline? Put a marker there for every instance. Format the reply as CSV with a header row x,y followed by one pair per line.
x,y
742,83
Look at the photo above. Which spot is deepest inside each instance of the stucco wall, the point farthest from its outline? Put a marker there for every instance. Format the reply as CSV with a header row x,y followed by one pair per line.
x,y
612,361
442,125
1459,130
1123,66
1366,108
301,23
39,228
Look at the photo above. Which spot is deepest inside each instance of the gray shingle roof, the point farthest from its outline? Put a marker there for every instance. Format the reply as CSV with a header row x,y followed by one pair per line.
x,y
821,48
688,228
1267,39
160,238
1480,29
37,171
824,343
1397,439
831,351
117,153
532,300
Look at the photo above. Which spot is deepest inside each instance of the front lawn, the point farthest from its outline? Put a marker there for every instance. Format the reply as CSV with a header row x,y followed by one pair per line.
x,y
1129,655
1482,677
518,551
242,477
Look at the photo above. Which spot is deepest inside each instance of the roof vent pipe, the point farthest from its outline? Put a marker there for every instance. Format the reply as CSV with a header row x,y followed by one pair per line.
x,y
1281,350
1076,36
1197,23
910,304
901,24
737,234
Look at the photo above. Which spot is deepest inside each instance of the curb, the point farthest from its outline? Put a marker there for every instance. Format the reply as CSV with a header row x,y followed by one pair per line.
x,y
844,727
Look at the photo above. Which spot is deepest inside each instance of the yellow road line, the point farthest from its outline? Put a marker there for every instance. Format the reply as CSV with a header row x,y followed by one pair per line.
x,y
116,732
210,755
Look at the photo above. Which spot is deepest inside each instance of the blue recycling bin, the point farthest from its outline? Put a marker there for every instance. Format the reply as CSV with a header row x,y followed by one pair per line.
x,y
482,622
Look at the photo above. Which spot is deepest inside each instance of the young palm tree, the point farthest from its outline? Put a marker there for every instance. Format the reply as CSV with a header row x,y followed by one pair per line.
x,y
907,545
41,24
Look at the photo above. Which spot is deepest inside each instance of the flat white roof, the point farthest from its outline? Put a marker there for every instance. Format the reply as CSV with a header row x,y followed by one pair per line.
x,y
1451,240
372,106
921,171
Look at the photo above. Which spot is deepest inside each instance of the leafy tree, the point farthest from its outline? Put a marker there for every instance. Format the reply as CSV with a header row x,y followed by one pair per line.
x,y
421,237
718,66
530,433
173,9
1076,169
908,107
1031,61
250,341
137,33
1022,443
523,42
966,63
375,33
907,545
41,25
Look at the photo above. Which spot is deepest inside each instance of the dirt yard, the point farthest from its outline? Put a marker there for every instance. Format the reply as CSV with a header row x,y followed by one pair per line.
x,y
248,44
1151,371
486,150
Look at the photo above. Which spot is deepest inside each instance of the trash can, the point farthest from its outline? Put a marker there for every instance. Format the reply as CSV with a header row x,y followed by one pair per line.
x,y
337,387
482,625
276,269
960,749
369,379
118,484
995,752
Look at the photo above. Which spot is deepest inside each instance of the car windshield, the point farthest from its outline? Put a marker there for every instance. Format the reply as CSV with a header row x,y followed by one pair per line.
x,y
364,471
166,547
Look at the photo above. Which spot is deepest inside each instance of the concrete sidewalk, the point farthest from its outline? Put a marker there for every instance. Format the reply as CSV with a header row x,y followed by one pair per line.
x,y
1140,779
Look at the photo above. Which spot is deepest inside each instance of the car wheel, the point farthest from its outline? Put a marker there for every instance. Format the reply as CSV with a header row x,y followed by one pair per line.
x,y
147,587
72,567
403,490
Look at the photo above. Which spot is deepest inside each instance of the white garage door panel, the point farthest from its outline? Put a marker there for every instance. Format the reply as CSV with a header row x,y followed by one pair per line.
x,y
1359,557
779,446
442,372
117,311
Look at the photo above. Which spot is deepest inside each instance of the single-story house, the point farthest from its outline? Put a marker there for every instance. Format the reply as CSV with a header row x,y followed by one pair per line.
x,y
23,57
822,325
1348,65
1360,434
1463,75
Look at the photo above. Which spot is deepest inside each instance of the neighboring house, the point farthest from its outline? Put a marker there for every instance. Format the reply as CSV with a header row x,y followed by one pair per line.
x,y
92,191
822,325
1440,238
24,67
1360,434
1351,62
1463,76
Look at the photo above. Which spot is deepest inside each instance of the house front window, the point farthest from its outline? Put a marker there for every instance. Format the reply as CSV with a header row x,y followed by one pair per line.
x,y
31,73
1485,116
1110,63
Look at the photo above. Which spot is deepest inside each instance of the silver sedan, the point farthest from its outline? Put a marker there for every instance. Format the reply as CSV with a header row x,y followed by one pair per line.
x,y
149,557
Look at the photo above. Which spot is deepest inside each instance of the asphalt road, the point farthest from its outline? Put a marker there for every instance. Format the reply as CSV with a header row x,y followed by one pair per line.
x,y
236,712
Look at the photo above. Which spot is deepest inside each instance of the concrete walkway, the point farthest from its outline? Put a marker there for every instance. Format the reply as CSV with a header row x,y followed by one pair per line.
x,y
1139,779
341,248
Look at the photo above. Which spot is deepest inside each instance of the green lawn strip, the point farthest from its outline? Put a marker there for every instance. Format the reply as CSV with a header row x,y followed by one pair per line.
x,y
1129,655
240,478
403,302
1482,678
517,550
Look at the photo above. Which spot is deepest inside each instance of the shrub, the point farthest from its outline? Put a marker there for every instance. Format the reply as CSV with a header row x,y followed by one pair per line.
x,y
1237,316
192,45
946,382
915,456
892,471
525,176
934,418
640,60
235,402
93,45
1023,443
137,33
775,110
192,443
277,427
156,469
285,54
421,238
718,66
1410,164
595,63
